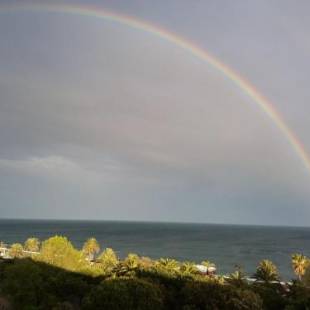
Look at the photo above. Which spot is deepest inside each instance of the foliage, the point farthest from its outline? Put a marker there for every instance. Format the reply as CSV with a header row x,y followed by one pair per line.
x,y
188,268
91,248
208,295
207,264
299,264
31,284
168,264
298,296
32,245
130,294
108,260
16,250
58,251
132,261
272,294
237,278
61,277
267,271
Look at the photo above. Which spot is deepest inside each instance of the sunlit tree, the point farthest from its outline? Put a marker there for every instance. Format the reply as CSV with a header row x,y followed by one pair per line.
x,y
91,248
188,268
207,264
168,264
59,251
132,261
299,264
267,271
108,259
32,245
16,250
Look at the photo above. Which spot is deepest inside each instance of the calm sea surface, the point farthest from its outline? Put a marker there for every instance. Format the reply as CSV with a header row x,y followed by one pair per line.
x,y
226,245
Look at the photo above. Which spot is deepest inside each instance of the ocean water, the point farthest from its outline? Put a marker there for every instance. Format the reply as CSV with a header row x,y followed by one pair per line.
x,y
225,245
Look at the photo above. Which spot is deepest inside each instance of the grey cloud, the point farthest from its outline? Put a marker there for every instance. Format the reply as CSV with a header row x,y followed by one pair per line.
x,y
132,127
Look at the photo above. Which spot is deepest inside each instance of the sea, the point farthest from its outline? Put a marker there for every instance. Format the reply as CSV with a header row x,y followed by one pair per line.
x,y
227,246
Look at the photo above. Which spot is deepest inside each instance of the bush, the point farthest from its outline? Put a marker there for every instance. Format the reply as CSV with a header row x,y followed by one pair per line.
x,y
120,294
204,295
298,297
273,295
23,284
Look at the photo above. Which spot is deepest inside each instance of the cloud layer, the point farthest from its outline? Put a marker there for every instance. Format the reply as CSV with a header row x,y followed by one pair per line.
x,y
101,121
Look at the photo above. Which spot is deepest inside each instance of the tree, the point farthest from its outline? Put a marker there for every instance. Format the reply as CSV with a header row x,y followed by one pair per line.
x,y
128,266
16,250
207,264
188,268
145,262
32,245
168,264
132,261
266,271
91,248
299,264
59,251
108,259
237,278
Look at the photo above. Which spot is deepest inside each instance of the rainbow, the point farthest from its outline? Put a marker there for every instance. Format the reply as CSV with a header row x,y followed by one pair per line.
x,y
265,105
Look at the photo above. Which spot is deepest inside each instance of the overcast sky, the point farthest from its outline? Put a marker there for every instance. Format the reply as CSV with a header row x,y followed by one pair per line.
x,y
102,121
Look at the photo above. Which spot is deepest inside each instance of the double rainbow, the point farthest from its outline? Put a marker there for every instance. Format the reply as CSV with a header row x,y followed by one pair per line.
x,y
97,12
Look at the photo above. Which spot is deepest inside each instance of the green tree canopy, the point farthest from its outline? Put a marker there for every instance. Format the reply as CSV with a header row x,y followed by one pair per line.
x,y
108,259
32,245
267,271
16,250
188,268
91,248
59,251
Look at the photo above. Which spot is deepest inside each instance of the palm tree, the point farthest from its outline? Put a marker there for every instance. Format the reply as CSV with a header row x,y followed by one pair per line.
x,y
16,250
188,268
108,259
299,264
32,245
266,271
128,266
168,264
91,248
237,278
132,261
207,264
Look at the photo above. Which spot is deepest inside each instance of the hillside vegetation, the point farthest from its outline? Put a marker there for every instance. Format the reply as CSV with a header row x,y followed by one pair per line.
x,y
55,275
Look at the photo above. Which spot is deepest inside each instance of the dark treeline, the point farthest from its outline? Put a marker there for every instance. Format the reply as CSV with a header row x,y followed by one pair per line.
x,y
55,275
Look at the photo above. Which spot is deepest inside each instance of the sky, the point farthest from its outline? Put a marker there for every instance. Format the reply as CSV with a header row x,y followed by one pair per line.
x,y
102,121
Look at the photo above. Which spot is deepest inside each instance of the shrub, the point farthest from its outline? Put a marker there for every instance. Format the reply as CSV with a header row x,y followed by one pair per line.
x,y
204,295
120,294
